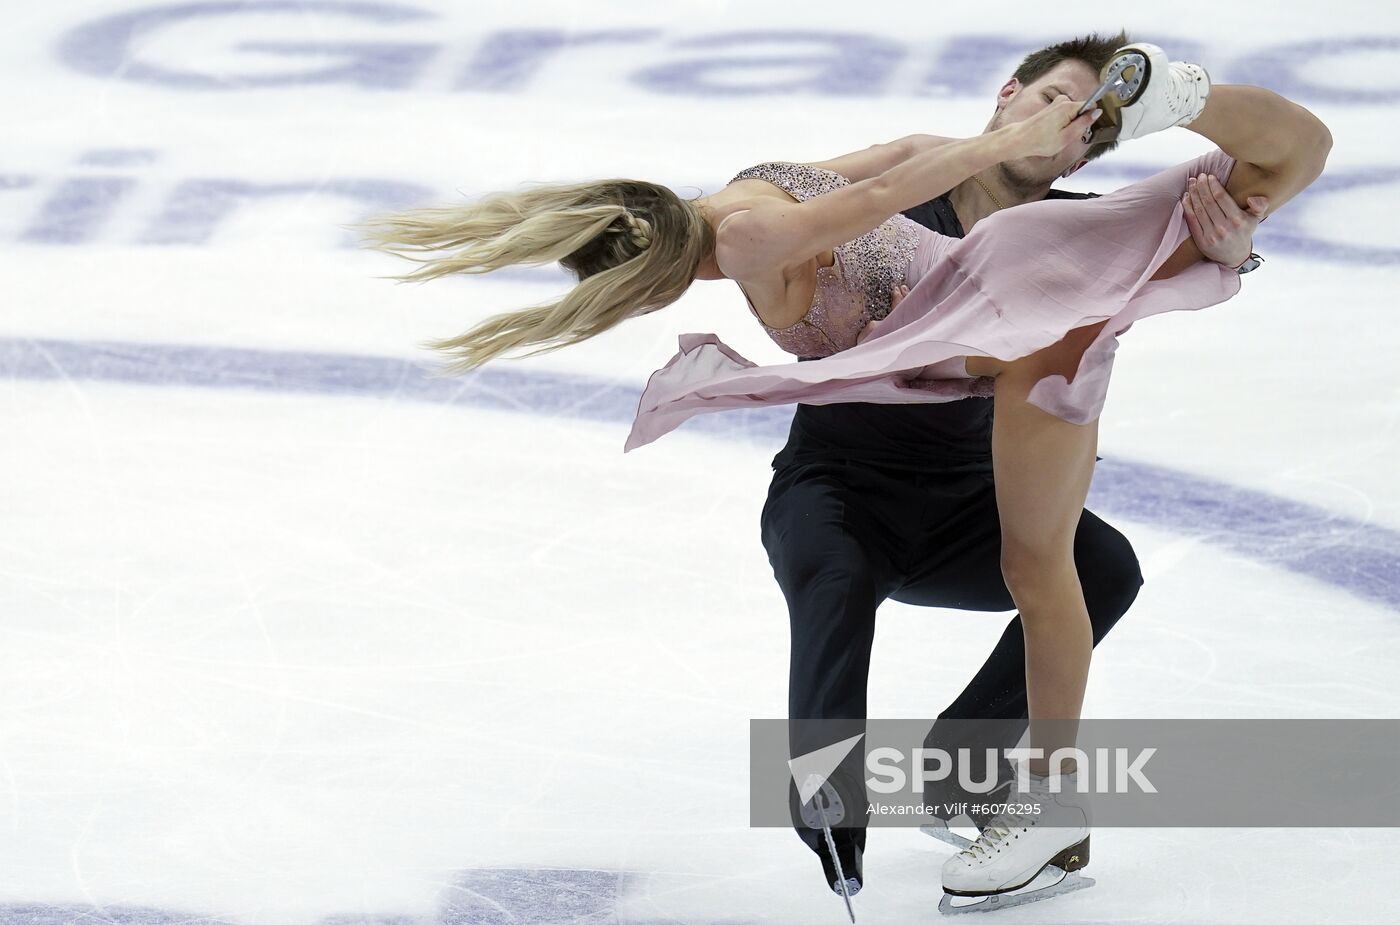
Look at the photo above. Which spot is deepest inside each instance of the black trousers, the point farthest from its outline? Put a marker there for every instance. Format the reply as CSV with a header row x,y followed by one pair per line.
x,y
843,537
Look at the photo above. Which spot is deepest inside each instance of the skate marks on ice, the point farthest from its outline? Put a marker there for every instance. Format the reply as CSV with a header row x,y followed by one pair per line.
x,y
75,914
545,896
1358,557
480,896
532,392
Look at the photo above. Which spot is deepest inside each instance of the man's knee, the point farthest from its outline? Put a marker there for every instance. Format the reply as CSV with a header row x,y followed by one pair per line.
x,y
812,549
1109,572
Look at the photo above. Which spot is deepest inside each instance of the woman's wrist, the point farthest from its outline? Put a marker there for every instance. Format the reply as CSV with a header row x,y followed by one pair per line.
x,y
937,169
1006,142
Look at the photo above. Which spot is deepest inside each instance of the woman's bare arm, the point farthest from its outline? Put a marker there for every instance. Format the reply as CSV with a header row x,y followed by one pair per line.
x,y
775,234
876,159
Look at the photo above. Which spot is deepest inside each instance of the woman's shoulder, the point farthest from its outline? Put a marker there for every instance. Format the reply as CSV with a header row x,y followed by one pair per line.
x,y
800,181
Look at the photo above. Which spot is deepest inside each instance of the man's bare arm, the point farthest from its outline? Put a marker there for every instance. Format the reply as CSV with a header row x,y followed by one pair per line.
x,y
1279,149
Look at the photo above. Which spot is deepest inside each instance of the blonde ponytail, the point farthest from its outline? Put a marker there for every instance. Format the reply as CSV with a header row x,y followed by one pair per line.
x,y
633,246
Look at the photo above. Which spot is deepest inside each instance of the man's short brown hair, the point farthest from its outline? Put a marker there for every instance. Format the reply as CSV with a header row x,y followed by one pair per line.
x,y
1093,49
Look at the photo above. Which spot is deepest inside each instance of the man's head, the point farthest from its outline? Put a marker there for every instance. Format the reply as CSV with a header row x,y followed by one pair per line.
x,y
1070,68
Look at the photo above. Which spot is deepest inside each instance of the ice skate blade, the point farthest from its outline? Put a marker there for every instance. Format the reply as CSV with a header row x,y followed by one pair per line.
x,y
843,884
844,889
1030,893
1124,79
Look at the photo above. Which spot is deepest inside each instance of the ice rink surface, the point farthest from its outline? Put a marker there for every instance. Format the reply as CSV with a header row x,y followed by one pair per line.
x,y
291,633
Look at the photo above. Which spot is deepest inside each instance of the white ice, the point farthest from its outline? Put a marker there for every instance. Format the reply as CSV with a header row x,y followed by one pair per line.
x,y
286,656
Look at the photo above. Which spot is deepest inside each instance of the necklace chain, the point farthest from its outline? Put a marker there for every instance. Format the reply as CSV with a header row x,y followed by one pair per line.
x,y
990,195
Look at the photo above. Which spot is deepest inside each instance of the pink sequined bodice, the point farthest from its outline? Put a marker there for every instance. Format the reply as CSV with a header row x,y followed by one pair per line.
x,y
856,288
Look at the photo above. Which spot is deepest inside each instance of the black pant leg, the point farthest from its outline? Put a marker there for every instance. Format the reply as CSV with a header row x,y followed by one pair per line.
x,y
825,527
833,580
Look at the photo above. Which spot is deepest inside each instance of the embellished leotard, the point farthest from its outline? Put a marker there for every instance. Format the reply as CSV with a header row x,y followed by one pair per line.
x,y
856,288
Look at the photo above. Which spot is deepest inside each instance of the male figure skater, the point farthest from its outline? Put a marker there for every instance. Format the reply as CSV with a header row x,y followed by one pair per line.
x,y
877,501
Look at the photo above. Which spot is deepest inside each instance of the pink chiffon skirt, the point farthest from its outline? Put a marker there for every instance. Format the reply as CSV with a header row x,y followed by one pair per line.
x,y
1018,283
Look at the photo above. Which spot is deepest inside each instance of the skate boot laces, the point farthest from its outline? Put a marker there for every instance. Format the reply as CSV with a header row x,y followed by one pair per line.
x,y
1183,90
990,841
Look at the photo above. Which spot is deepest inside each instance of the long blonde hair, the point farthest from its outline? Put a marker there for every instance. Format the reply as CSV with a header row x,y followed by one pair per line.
x,y
633,246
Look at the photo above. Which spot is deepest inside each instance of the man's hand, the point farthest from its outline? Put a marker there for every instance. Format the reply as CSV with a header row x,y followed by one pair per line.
x,y
1221,229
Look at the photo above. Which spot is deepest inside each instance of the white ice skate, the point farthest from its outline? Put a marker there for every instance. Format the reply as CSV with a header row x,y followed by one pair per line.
x,y
1143,93
942,829
1023,857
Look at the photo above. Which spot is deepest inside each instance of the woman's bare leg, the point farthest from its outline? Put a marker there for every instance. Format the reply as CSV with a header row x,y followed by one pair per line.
x,y
1278,146
1042,465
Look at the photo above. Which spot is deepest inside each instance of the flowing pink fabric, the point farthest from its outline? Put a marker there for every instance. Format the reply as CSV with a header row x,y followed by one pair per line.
x,y
1018,283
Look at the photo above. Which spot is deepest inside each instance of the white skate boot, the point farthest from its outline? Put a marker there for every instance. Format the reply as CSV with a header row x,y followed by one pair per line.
x,y
1143,93
1050,836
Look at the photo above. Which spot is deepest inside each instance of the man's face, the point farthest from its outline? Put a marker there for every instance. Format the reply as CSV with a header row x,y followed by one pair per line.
x,y
1018,102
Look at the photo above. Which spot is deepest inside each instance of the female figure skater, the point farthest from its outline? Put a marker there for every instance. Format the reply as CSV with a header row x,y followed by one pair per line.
x,y
1028,308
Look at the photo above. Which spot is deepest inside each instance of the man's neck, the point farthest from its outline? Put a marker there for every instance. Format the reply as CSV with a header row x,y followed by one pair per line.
x,y
972,203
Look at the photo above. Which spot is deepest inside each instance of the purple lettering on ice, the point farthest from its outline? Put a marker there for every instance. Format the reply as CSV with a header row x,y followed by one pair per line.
x,y
77,209
1287,232
381,67
973,65
507,60
192,212
827,63
115,914
118,157
196,208
1356,556
109,47
1286,69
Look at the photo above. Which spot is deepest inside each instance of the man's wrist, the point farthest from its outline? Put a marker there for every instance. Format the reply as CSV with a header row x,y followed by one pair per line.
x,y
1249,264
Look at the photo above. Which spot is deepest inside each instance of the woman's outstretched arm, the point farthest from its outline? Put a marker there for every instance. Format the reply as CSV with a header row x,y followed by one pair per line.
x,y
876,159
778,234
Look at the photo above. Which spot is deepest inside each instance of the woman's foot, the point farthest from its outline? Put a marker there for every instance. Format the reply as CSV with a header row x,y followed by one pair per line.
x,y
1051,828
1152,93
